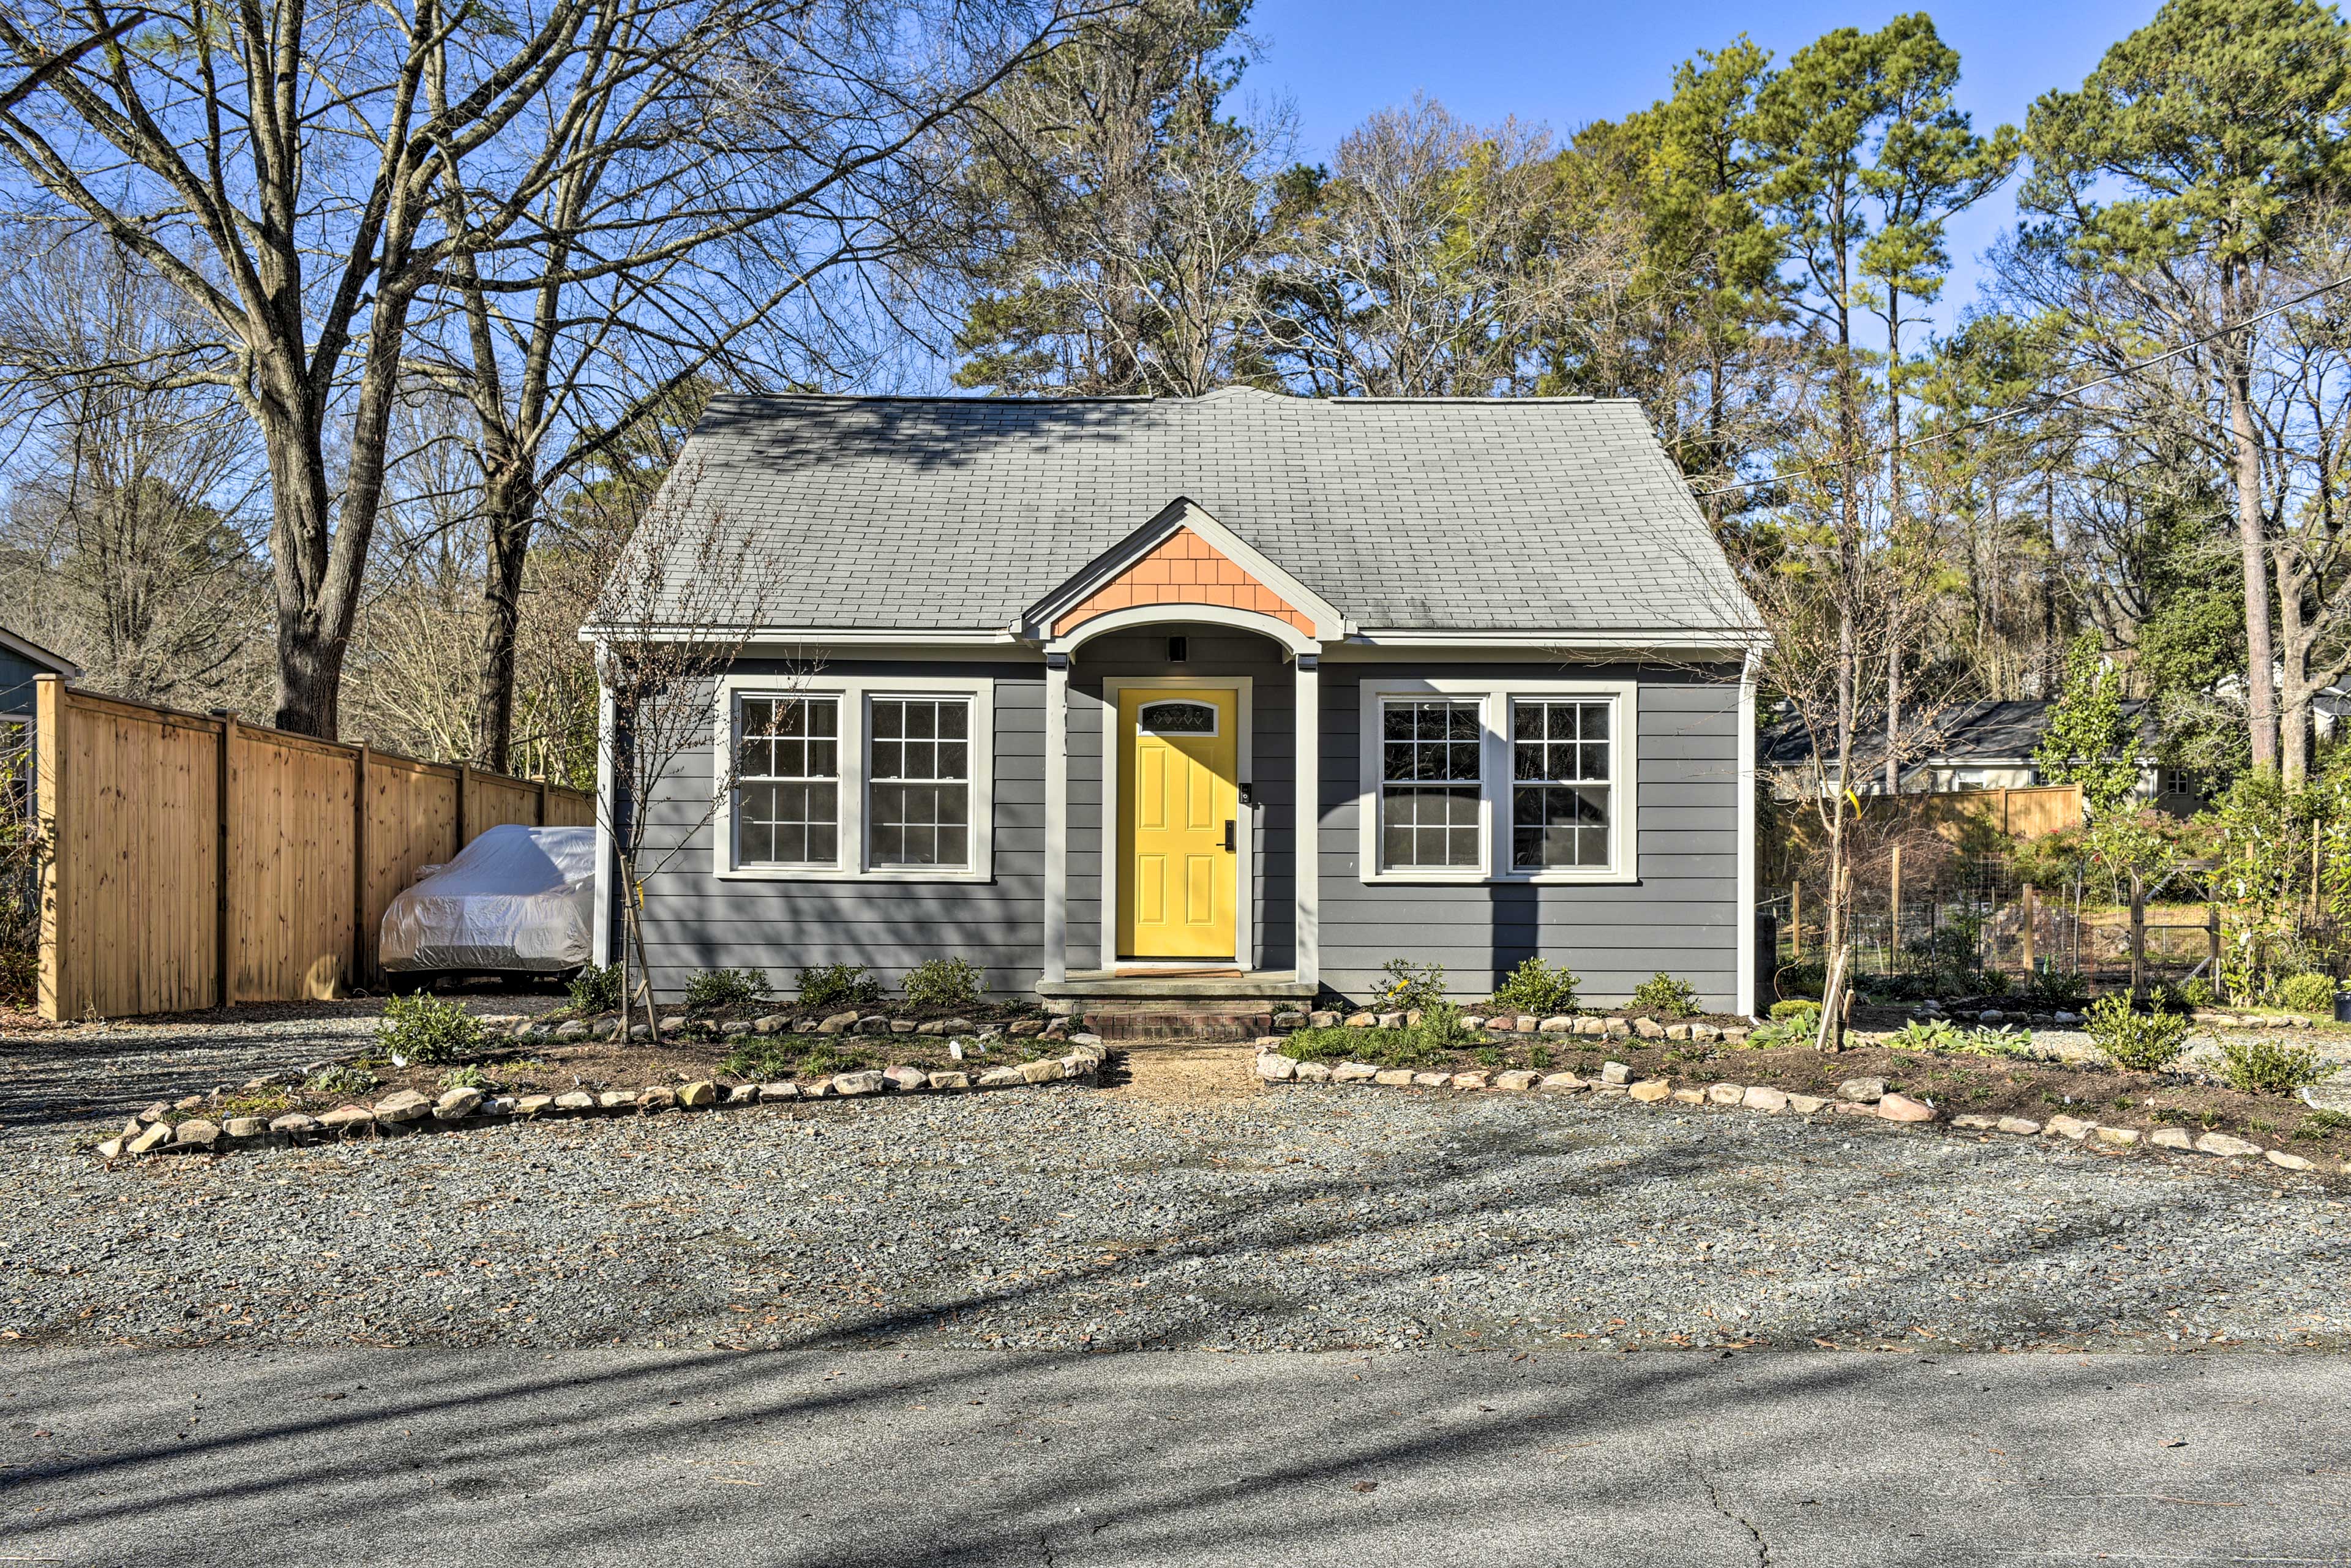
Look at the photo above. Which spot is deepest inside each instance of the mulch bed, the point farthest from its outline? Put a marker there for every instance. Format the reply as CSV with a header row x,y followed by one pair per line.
x,y
1957,1084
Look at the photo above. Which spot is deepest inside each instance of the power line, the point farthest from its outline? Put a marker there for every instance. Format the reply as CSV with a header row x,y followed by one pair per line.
x,y
2044,403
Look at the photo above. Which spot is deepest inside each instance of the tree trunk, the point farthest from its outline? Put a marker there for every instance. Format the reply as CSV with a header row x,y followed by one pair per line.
x,y
508,506
1893,717
2260,691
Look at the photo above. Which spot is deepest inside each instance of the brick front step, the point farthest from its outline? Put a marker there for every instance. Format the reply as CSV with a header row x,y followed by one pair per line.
x,y
1164,1022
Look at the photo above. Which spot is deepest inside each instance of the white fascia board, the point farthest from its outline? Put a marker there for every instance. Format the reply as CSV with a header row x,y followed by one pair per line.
x,y
1185,513
859,637
34,654
1726,645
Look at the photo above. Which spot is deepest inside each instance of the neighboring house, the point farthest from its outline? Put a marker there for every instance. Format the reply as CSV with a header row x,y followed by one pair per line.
x,y
1978,745
22,659
1062,685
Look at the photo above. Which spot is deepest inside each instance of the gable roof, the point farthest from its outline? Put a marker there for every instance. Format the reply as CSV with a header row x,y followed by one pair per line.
x,y
1978,733
1456,514
40,658
1182,556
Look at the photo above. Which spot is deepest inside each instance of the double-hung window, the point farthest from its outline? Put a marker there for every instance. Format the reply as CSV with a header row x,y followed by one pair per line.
x,y
1431,799
1501,780
1560,784
857,778
920,779
787,803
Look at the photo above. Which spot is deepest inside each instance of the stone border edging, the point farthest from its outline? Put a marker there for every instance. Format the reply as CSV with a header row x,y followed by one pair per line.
x,y
407,1110
1865,1097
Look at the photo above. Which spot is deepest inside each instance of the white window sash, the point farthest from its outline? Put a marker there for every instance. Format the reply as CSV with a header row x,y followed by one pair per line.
x,y
1495,821
853,749
839,769
1382,784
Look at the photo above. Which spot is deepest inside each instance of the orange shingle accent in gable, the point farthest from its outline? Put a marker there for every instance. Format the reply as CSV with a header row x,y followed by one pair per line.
x,y
1183,569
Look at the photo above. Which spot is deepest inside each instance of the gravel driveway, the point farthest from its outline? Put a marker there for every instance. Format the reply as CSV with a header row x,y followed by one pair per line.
x,y
1070,1217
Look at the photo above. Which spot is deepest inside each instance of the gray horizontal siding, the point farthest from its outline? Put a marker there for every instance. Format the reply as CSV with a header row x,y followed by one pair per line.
x,y
696,921
1679,917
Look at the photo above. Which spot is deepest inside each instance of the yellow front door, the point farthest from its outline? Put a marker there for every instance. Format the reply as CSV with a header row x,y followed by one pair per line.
x,y
1178,813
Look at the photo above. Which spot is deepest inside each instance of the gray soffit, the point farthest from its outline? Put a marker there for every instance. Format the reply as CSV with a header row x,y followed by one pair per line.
x,y
1456,514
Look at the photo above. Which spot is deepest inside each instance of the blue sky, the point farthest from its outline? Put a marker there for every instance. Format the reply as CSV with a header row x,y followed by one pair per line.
x,y
1566,65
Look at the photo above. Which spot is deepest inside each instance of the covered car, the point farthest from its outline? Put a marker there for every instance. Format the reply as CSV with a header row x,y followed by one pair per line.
x,y
516,899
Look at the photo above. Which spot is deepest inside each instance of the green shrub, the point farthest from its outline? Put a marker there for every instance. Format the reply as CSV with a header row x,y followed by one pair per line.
x,y
714,988
1791,1024
423,1027
1443,1023
1992,983
1923,1034
838,985
2148,1042
1793,1007
596,988
1319,1044
1803,979
2307,994
767,1059
2197,992
2057,988
1412,984
944,983
2001,1042
465,1078
2270,1066
1537,988
341,1081
1662,996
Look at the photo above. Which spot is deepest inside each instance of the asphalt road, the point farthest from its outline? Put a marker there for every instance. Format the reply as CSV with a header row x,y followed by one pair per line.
x,y
499,1456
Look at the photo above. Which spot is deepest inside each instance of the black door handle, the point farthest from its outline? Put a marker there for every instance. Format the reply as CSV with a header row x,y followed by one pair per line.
x,y
1228,835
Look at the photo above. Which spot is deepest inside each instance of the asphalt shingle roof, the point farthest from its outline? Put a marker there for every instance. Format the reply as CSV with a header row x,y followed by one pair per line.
x,y
958,513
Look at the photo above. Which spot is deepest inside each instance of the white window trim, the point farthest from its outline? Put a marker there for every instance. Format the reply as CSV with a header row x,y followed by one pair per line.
x,y
1494,698
854,745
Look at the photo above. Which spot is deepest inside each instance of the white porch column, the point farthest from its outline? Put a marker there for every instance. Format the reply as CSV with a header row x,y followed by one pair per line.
x,y
607,868
1057,818
1306,853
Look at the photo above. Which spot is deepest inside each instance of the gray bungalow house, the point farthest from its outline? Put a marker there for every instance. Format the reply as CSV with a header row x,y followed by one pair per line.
x,y
1235,696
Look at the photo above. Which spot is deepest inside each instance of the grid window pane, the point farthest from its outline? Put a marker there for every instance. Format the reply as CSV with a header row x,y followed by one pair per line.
x,y
787,794
919,795
1560,808
1429,772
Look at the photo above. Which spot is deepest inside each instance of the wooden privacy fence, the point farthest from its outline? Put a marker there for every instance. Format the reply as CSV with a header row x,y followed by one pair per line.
x,y
196,861
1955,816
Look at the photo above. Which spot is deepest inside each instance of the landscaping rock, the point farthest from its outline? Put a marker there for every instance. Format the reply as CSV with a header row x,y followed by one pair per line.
x,y
2021,1126
1649,1091
1290,1020
1689,1096
743,1094
904,1026
774,1023
196,1134
1313,1073
1615,1072
2227,1148
533,1105
674,1024
1024,1027
575,1100
1861,1091
2280,1158
1763,1097
1725,1093
245,1127
1043,1071
1322,1020
1974,1124
1616,1029
2120,1137
190,1103
1276,1068
1516,1078
1361,1021
1392,1077
946,1081
1648,1029
733,1027
1001,1077
1500,1024
873,1023
906,1079
458,1103
1704,1031
576,1029
656,1097
1736,1036
836,1023
111,1149
771,1092
2171,1138
155,1135
1559,1025
2072,1127
1564,1084
1389,1021
1431,1079
638,1031
1076,1064
1354,1073
1806,1104
1902,1108
347,1119
856,1083
695,1095
1677,1032
1471,1079
1591,1026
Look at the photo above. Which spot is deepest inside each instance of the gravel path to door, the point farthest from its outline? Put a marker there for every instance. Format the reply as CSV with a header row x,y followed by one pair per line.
x,y
1179,1206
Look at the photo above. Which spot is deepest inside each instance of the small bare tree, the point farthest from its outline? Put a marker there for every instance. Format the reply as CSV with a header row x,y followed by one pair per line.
x,y
677,598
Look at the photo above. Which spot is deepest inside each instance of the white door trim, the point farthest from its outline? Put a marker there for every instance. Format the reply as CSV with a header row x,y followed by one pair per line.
x,y
1245,834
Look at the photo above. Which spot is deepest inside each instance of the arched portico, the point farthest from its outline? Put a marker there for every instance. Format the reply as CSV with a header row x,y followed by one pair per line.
x,y
1100,652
